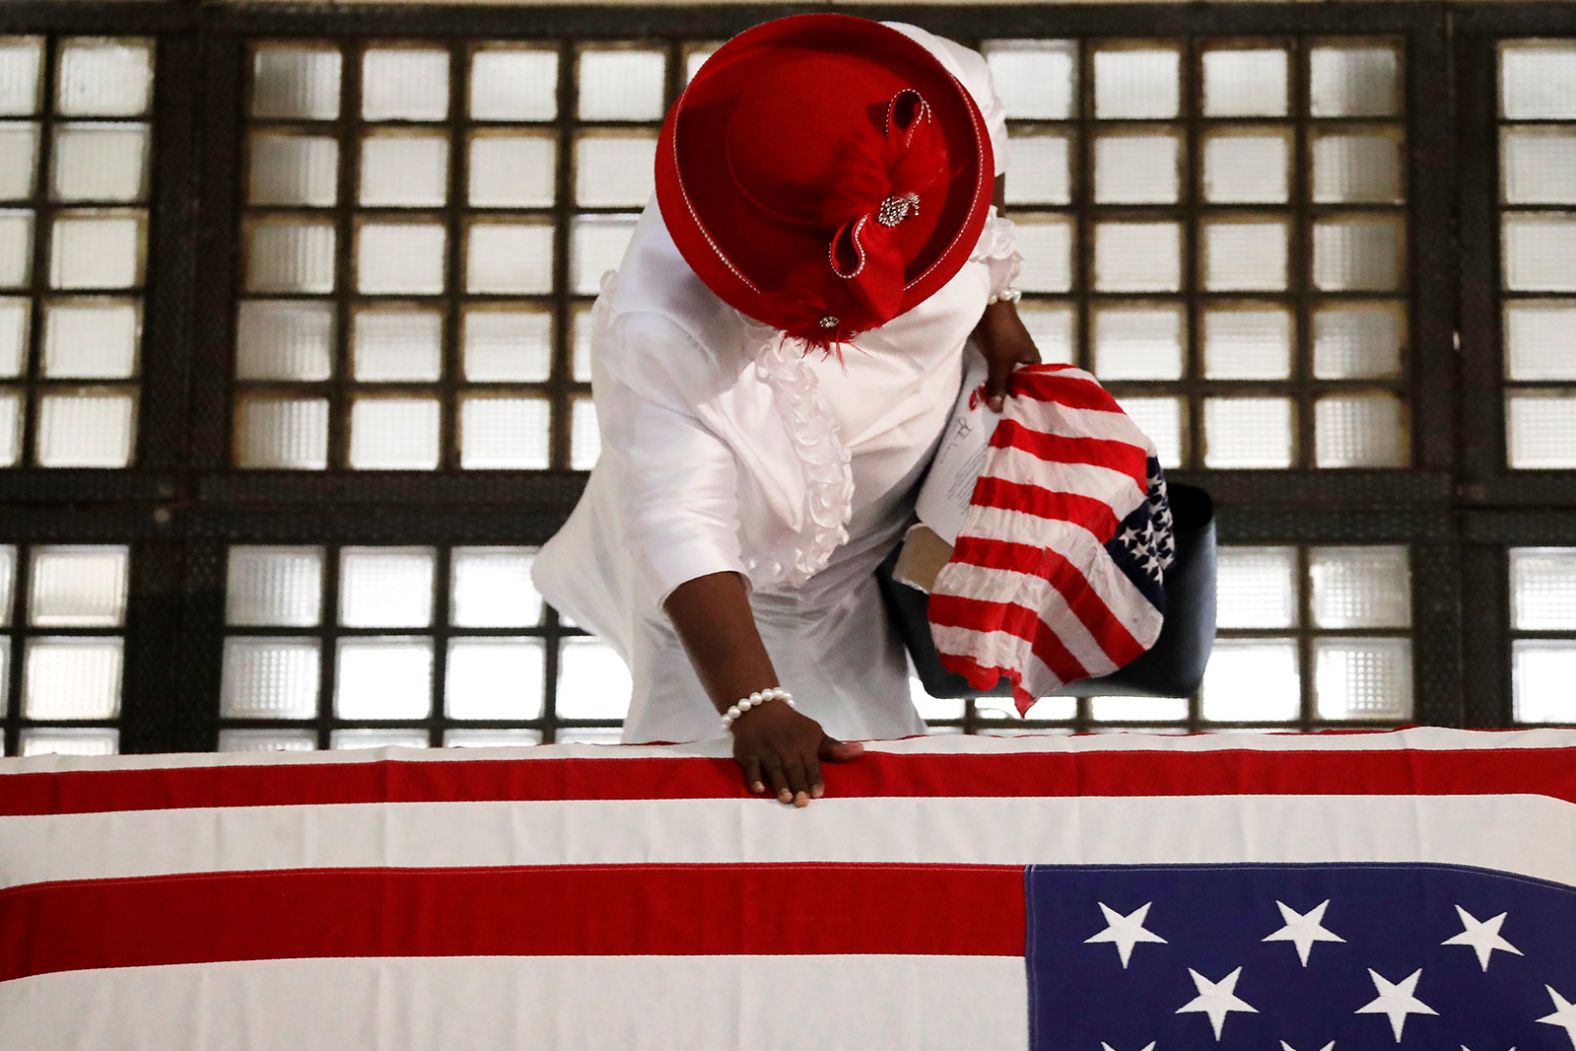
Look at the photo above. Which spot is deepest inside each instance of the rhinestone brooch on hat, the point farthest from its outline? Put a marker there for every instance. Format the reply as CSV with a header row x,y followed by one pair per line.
x,y
829,321
897,207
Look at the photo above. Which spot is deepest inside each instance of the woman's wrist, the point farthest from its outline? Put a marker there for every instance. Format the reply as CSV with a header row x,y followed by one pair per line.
x,y
712,617
753,701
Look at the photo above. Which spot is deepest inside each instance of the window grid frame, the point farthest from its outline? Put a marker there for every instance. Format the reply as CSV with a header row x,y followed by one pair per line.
x,y
1457,518
1191,211
1516,634
211,570
40,292
1479,31
150,716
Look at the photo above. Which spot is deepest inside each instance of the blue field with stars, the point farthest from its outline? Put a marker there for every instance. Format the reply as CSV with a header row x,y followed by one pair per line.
x,y
1298,958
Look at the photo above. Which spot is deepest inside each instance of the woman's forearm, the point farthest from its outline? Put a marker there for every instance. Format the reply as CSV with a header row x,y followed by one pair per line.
x,y
711,615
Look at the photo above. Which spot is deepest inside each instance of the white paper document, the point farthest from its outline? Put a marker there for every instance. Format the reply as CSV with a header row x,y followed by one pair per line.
x,y
943,497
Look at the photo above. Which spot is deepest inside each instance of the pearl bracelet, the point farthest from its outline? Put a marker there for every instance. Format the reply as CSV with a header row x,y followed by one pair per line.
x,y
755,699
1005,295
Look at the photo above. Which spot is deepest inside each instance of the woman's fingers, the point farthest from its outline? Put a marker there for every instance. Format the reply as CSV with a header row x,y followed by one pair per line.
x,y
996,383
776,776
812,775
751,767
798,784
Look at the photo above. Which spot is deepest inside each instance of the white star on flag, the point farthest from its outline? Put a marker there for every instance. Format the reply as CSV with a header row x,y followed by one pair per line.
x,y
1151,1047
1217,999
1396,1000
1481,935
1303,929
1466,1048
1564,1014
1125,931
1327,1047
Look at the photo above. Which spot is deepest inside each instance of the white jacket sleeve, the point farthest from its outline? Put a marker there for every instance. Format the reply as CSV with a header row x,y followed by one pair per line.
x,y
681,502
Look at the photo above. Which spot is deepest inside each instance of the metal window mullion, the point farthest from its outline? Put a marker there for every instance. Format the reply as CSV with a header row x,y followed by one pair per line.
x,y
1488,692
450,372
1304,640
1082,203
1436,632
152,715
437,713
1432,254
328,656
554,643
350,128
558,400
163,414
21,581
1482,447
1192,247
38,277
1192,201
1301,260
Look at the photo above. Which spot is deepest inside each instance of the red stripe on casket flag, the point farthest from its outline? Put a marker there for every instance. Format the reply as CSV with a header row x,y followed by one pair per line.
x,y
1135,772
780,909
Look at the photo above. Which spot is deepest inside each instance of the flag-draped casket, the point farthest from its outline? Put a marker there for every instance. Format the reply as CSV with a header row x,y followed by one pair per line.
x,y
1411,889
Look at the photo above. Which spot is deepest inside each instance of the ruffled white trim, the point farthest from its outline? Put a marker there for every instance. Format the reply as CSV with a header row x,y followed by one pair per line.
x,y
998,249
828,476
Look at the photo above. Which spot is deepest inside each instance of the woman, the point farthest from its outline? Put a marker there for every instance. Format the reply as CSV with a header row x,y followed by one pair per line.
x,y
828,182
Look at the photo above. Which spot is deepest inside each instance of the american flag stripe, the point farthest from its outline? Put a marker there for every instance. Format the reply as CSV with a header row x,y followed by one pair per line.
x,y
1093,424
1111,453
1037,593
1073,388
1122,599
632,1003
1010,623
1073,508
1532,835
968,910
967,639
1420,760
1092,501
1091,631
1089,480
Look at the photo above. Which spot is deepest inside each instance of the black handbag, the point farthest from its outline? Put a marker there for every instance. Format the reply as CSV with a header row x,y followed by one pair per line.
x,y
1172,667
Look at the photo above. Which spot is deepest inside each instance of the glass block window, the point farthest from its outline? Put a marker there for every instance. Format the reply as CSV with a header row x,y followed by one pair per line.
x,y
75,143
1543,634
1311,636
62,647
352,646
1218,231
1537,193
425,226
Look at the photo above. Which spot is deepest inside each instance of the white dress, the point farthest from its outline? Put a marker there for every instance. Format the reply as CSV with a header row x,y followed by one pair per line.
x,y
724,450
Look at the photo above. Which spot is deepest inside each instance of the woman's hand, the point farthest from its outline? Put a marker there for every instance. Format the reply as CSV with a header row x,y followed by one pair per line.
x,y
1005,343
775,745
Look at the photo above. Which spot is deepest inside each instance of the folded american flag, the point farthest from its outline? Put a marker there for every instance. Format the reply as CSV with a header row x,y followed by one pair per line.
x,y
1412,889
1058,572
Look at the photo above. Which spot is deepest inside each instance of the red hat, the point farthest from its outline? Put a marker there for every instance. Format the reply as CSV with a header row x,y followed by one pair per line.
x,y
824,173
